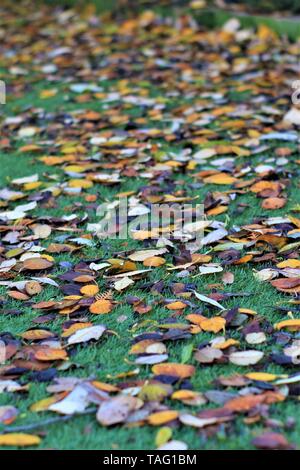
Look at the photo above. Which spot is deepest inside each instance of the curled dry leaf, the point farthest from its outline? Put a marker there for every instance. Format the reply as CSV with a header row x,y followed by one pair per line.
x,y
292,324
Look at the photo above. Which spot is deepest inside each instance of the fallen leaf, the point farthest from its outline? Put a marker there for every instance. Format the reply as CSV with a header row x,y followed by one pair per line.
x,y
19,440
177,370
246,358
162,417
101,306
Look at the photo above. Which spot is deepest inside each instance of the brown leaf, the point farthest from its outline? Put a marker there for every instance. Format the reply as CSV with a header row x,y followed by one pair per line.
x,y
117,409
271,441
37,264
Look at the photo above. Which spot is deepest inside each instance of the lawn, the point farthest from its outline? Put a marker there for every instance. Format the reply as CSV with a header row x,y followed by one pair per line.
x,y
137,99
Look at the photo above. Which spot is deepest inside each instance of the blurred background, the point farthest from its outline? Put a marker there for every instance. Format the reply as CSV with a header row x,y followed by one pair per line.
x,y
251,6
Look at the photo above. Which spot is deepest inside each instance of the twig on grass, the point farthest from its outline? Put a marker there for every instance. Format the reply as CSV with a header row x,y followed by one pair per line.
x,y
46,422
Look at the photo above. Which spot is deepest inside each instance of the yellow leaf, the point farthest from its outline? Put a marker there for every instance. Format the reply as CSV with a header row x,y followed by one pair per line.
x,y
289,263
247,311
153,392
80,184
220,178
90,290
184,395
75,168
19,439
163,435
44,94
264,376
293,323
31,186
44,404
214,325
162,417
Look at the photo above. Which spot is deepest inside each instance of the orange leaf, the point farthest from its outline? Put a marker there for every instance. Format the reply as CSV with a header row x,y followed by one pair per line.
x,y
244,403
214,325
176,305
15,294
50,354
154,261
101,306
172,368
273,203
195,318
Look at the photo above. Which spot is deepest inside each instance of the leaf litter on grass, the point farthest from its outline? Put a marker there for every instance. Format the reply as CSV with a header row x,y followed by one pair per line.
x,y
190,115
